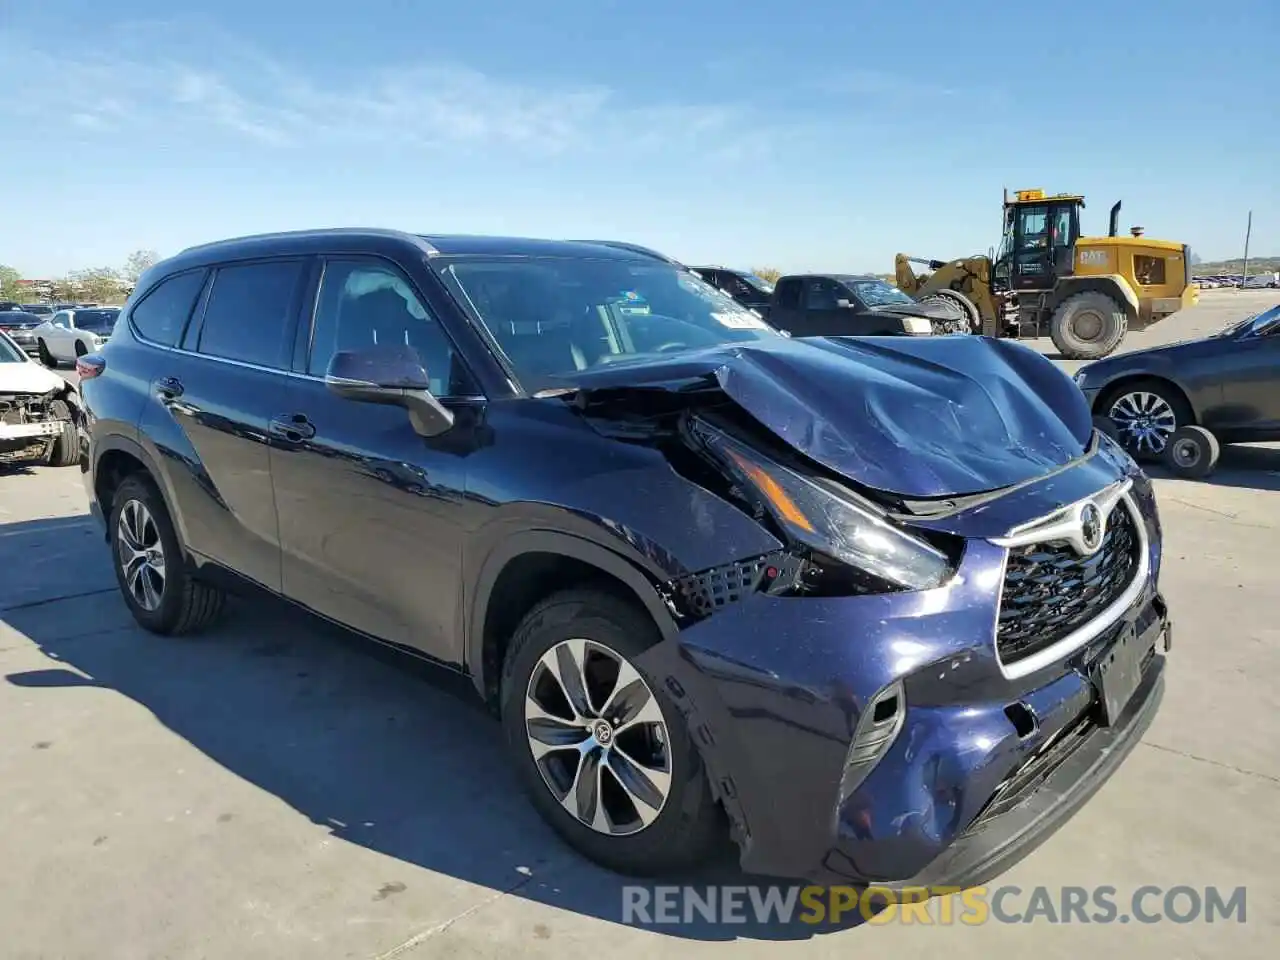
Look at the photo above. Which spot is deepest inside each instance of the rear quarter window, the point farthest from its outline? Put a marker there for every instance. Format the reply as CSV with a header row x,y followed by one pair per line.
x,y
162,314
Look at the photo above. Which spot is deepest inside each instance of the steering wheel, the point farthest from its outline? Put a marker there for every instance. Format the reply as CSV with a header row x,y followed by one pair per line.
x,y
672,345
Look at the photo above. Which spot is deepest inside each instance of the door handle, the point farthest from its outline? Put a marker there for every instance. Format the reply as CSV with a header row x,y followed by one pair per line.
x,y
169,388
294,427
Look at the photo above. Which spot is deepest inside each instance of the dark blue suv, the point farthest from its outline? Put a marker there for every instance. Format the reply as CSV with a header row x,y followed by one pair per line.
x,y
886,609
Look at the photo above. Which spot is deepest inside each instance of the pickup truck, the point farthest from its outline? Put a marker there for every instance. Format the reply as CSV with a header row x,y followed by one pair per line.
x,y
835,305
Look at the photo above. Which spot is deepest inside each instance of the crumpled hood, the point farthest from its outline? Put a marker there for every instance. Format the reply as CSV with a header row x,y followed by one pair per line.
x,y
28,377
917,417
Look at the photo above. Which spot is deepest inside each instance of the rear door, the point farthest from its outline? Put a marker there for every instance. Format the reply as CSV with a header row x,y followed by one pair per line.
x,y
371,513
214,399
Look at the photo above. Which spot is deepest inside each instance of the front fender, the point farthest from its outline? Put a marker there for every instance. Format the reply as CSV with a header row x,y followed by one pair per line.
x,y
501,547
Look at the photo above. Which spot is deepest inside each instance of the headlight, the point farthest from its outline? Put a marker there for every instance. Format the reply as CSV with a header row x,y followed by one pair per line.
x,y
820,517
917,325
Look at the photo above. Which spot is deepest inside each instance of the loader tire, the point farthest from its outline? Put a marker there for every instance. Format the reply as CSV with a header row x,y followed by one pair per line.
x,y
1087,326
966,310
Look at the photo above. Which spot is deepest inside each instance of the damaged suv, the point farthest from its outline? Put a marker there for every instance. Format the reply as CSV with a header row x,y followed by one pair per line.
x,y
39,411
885,609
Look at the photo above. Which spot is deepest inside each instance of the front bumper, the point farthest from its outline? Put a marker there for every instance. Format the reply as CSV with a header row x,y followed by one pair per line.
x,y
32,431
775,692
25,341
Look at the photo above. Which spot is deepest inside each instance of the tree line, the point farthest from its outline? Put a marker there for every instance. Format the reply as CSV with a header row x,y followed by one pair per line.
x,y
94,285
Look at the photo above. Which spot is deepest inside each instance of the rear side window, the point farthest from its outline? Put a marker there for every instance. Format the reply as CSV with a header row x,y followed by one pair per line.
x,y
789,293
161,315
248,313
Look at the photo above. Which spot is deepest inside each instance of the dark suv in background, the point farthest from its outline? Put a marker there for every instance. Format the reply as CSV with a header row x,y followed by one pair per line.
x,y
886,608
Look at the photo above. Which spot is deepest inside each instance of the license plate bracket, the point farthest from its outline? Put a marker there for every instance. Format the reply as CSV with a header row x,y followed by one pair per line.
x,y
1117,673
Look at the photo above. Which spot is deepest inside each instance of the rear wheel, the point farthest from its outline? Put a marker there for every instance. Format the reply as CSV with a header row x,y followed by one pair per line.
x,y
81,349
603,751
151,568
1087,326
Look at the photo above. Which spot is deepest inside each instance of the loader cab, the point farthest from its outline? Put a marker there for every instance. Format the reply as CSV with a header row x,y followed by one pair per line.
x,y
1040,234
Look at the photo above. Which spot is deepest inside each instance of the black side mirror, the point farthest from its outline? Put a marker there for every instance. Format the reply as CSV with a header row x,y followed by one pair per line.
x,y
393,376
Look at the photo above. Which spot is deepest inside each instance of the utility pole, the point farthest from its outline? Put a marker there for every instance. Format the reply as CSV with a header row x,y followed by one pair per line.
x,y
1247,231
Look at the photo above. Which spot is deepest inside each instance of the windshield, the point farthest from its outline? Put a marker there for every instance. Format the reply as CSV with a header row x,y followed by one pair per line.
x,y
764,286
39,309
555,317
96,321
877,293
9,352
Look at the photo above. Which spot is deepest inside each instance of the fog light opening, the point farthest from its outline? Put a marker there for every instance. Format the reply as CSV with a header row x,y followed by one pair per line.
x,y
1023,719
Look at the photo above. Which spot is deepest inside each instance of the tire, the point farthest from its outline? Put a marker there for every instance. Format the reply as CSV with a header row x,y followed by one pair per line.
x,y
45,356
966,308
81,349
1078,314
1192,452
687,824
182,604
65,449
1146,414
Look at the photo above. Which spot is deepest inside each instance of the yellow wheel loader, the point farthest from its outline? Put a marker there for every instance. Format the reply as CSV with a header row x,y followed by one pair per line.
x,y
1087,291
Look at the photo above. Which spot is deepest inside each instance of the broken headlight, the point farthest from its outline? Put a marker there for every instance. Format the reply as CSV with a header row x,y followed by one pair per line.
x,y
820,517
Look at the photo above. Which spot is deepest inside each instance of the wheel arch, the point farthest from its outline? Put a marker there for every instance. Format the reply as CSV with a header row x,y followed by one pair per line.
x,y
529,566
117,457
1118,385
1112,285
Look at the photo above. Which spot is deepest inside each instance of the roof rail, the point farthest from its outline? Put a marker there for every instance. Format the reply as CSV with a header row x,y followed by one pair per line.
x,y
634,248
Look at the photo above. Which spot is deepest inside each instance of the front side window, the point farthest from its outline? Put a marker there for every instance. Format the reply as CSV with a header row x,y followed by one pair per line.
x,y
553,317
247,316
820,294
365,304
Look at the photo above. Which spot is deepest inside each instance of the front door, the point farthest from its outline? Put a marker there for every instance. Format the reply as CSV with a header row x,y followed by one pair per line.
x,y
371,513
1250,389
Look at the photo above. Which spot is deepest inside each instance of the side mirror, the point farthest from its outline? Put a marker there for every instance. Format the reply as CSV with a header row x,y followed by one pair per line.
x,y
844,304
393,376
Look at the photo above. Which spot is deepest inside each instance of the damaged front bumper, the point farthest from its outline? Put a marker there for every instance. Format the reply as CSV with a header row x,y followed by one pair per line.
x,y
881,739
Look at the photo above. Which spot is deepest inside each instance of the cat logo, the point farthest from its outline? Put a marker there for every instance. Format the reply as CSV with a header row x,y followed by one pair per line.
x,y
1093,258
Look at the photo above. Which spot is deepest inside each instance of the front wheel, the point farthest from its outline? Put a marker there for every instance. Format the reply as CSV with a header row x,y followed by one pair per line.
x,y
1146,414
45,356
1087,326
602,750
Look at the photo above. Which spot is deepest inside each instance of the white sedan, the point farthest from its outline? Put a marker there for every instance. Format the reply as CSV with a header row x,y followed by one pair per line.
x,y
69,334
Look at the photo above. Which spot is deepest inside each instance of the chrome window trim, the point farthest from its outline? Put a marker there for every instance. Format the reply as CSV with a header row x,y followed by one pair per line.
x,y
1064,524
280,371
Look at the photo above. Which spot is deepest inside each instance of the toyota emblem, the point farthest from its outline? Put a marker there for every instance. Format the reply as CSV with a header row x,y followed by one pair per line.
x,y
1091,527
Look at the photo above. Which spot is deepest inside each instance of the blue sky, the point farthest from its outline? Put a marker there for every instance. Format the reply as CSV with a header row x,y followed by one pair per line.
x,y
822,135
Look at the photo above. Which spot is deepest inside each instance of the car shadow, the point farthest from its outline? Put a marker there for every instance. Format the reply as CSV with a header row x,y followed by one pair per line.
x,y
1244,466
379,748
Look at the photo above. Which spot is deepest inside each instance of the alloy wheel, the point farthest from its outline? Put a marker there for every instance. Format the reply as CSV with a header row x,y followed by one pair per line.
x,y
1144,420
140,552
598,737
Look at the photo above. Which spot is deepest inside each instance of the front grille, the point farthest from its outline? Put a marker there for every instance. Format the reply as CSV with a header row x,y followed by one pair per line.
x,y
1050,590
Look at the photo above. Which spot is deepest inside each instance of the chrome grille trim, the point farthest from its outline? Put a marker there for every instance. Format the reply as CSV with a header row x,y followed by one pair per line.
x,y
1061,524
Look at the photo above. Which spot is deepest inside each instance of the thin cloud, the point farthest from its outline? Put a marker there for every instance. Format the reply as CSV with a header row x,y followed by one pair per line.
x,y
175,81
